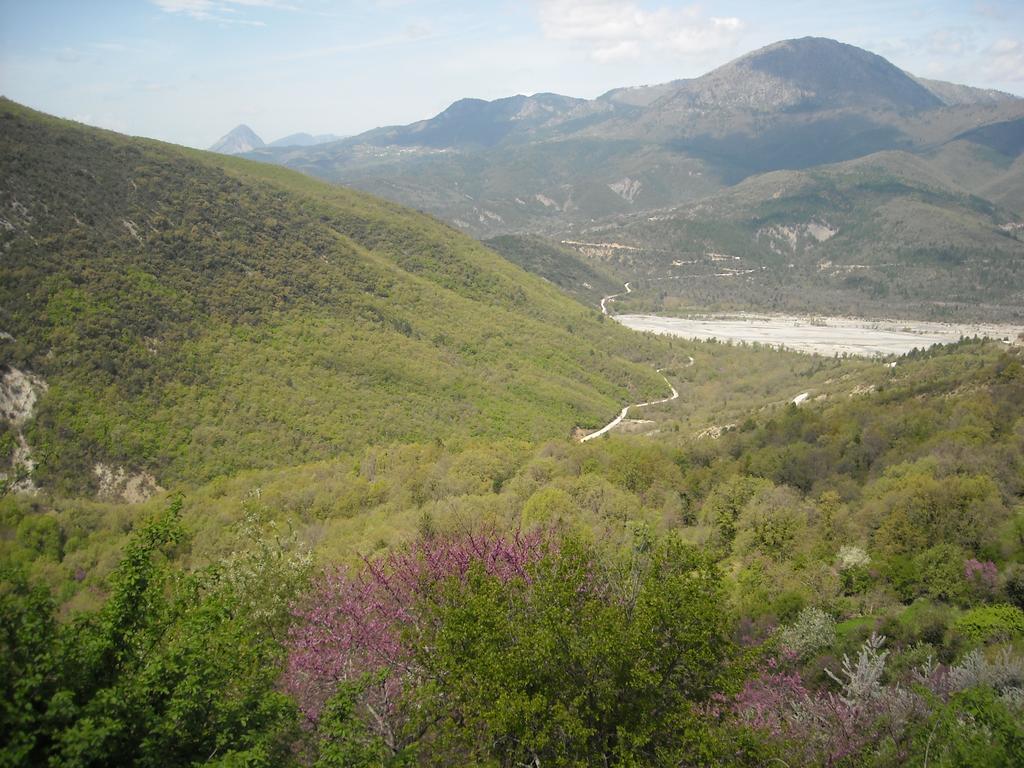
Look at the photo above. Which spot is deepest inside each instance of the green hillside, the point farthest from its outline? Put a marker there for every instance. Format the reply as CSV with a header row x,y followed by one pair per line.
x,y
881,235
883,523
193,315
558,264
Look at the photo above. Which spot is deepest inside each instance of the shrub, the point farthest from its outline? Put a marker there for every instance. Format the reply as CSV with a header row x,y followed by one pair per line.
x,y
991,622
923,622
813,630
1014,584
505,652
852,557
982,577
351,628
940,573
41,535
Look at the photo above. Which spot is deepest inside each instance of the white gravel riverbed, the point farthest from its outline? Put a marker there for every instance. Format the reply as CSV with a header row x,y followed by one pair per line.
x,y
820,335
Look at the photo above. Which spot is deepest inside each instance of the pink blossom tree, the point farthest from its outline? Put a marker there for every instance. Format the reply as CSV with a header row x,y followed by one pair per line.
x,y
360,625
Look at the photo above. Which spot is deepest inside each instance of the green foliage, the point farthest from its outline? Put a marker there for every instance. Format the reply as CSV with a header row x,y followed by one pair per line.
x,y
991,622
924,621
974,729
922,510
171,670
725,504
344,741
41,536
1014,584
939,573
548,507
588,662
27,629
771,523
195,316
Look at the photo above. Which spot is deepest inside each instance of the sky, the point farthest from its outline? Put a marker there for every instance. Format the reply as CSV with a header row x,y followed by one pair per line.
x,y
187,71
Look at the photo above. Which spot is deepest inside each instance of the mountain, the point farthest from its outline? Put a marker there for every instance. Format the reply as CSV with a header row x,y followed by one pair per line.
x,y
475,123
549,163
883,235
304,140
243,139
237,141
987,161
170,316
793,76
952,94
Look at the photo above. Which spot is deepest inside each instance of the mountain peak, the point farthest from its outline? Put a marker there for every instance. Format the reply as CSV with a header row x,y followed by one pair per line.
x,y
821,72
240,139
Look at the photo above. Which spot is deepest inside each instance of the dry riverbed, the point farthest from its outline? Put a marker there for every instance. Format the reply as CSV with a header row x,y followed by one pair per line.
x,y
818,335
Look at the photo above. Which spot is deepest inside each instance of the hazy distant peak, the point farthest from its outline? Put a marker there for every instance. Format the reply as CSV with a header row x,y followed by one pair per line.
x,y
304,140
820,71
954,94
239,140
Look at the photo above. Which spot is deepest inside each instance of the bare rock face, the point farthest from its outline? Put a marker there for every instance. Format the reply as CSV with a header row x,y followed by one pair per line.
x,y
627,188
117,484
19,392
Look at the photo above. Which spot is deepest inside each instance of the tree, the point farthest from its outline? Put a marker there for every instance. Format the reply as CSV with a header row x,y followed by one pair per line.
x,y
454,653
172,670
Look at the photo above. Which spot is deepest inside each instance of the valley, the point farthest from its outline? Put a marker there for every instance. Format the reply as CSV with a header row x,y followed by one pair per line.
x,y
818,335
680,427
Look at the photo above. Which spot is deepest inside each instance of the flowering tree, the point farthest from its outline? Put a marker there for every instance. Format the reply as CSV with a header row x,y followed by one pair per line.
x,y
494,650
983,577
359,625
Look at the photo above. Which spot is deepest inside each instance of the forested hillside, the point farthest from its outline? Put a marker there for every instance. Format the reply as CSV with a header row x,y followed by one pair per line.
x,y
188,315
882,235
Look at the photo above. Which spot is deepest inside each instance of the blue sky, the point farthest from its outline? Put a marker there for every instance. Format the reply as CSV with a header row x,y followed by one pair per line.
x,y
189,70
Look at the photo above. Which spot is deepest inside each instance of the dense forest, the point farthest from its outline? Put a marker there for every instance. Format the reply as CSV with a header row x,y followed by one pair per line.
x,y
194,316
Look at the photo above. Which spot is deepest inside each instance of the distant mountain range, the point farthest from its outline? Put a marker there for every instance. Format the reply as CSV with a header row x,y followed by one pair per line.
x,y
552,163
243,139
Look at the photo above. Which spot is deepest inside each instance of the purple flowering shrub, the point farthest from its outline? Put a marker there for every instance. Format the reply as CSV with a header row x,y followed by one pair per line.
x,y
983,577
360,624
864,716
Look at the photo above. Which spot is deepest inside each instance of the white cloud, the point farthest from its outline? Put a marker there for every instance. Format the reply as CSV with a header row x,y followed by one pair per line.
x,y
614,31
220,10
1006,60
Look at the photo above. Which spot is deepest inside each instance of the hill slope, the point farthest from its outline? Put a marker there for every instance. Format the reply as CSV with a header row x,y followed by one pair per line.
x,y
886,234
557,264
192,315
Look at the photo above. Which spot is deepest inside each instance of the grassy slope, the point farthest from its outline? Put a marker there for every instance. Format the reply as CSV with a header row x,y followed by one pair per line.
x,y
195,315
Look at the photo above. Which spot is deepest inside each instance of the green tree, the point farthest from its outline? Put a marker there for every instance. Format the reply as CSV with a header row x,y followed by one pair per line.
x,y
591,661
171,671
